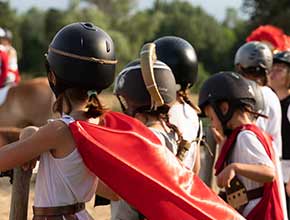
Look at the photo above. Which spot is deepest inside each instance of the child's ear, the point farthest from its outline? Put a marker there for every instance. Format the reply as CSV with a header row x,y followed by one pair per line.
x,y
224,107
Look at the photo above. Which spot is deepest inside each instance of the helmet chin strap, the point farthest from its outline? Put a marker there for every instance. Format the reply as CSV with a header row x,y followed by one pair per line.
x,y
224,118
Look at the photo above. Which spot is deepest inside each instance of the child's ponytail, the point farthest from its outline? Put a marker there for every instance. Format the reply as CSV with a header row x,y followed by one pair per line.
x,y
94,106
183,98
183,145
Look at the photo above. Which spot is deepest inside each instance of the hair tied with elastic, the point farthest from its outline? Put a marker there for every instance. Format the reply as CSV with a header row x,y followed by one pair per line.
x,y
92,93
94,106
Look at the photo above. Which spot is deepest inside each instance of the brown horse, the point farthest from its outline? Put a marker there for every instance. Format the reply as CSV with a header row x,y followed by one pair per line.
x,y
28,103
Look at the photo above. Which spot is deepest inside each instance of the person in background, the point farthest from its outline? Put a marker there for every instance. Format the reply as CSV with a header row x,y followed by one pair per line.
x,y
279,81
254,61
4,65
13,76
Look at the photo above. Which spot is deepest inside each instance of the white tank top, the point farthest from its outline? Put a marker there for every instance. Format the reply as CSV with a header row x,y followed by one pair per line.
x,y
64,181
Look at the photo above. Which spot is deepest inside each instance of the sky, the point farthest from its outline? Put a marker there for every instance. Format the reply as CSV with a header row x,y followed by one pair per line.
x,y
215,8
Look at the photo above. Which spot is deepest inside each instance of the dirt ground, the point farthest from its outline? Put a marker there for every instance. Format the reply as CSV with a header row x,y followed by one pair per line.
x,y
99,213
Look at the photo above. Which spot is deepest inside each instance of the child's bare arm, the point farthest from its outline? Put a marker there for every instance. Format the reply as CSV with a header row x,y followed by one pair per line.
x,y
104,191
196,167
26,149
256,172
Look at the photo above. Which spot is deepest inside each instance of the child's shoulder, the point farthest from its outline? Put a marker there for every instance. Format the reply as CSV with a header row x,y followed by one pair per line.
x,y
246,134
247,138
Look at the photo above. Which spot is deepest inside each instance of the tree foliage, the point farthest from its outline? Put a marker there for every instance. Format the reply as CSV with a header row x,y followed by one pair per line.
x,y
215,42
269,12
212,40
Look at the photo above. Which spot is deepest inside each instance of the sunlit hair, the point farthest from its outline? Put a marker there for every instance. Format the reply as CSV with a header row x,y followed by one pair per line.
x,y
63,103
182,96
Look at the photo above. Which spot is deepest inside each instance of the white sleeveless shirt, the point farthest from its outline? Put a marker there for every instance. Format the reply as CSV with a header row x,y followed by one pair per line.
x,y
64,181
185,118
272,125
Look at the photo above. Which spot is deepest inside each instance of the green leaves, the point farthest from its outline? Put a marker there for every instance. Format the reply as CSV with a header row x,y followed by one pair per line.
x,y
129,28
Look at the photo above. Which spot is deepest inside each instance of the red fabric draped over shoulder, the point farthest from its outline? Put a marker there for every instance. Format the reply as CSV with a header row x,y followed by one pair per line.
x,y
129,158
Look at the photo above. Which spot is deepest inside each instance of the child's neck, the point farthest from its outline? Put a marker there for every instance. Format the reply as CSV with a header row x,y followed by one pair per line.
x,y
239,119
282,93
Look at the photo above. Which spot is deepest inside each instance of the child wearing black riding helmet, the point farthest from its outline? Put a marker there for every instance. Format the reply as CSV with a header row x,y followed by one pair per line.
x,y
254,61
80,64
246,165
180,56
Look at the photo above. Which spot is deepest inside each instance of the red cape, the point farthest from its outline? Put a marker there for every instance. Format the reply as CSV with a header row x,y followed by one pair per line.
x,y
145,173
269,207
3,66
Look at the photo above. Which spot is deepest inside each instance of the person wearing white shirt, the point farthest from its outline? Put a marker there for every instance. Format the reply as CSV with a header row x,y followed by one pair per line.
x,y
254,61
180,56
279,81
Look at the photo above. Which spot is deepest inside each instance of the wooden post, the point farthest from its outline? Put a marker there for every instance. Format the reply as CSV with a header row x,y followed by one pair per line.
x,y
20,194
207,160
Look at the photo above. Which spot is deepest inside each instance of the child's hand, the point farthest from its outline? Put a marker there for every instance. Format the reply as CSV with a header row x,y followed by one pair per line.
x,y
218,136
288,188
225,177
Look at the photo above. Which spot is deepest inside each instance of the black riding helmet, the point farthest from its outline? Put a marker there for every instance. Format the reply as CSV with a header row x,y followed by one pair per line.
x,y
254,58
180,56
230,87
81,55
132,92
282,57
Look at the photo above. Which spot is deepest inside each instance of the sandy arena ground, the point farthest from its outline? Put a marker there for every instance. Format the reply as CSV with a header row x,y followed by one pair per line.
x,y
99,213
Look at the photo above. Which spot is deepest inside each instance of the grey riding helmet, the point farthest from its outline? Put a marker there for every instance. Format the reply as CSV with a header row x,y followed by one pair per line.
x,y
132,92
254,56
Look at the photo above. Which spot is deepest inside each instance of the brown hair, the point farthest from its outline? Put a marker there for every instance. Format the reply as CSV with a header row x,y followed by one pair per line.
x,y
182,96
94,106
